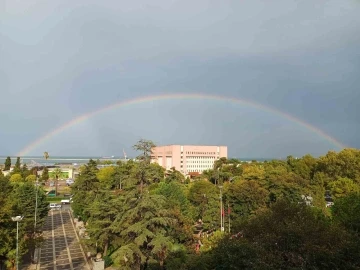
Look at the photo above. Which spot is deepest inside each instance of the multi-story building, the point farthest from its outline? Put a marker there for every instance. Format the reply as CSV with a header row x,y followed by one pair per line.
x,y
188,158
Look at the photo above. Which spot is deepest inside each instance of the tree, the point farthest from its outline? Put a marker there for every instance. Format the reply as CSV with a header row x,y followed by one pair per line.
x,y
16,178
85,189
105,176
46,155
143,225
57,172
102,212
346,211
24,205
342,187
245,198
145,147
293,236
31,178
45,174
7,164
205,197
25,171
17,167
175,176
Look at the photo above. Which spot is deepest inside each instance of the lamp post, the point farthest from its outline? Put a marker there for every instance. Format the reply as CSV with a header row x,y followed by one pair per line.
x,y
17,219
221,211
36,200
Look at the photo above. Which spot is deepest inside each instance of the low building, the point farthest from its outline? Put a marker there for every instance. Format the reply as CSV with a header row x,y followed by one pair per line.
x,y
65,173
188,158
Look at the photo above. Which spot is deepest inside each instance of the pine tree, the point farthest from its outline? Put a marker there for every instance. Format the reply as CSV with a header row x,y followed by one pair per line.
x,y
17,167
45,174
25,171
7,164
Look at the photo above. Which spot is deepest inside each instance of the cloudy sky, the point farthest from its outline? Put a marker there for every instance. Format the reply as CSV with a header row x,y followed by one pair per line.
x,y
62,59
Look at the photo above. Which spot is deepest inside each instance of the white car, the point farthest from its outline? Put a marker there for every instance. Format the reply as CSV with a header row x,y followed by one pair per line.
x,y
66,201
55,206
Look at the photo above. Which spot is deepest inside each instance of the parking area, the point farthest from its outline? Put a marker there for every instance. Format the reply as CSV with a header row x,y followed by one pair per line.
x,y
61,249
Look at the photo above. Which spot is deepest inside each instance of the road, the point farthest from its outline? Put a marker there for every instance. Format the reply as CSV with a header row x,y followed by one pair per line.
x,y
61,249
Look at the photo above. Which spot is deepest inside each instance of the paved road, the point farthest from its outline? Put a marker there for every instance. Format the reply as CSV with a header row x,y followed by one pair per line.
x,y
61,249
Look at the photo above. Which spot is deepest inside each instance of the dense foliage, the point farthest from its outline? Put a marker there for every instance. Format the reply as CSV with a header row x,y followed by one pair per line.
x,y
18,198
143,217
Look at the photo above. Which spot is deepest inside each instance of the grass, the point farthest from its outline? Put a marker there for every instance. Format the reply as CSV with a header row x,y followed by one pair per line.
x,y
54,199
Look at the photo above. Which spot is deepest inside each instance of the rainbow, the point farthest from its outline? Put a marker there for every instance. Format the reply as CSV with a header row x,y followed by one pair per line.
x,y
143,99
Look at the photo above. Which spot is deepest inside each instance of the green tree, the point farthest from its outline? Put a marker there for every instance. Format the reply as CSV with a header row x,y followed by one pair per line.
x,y
57,172
45,174
174,176
7,164
346,211
204,196
143,225
106,176
342,187
102,212
25,171
245,198
17,167
145,148
46,155
23,199
85,189
16,178
31,178
294,236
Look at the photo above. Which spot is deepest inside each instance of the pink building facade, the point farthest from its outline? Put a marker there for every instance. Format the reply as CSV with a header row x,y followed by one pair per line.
x,y
188,158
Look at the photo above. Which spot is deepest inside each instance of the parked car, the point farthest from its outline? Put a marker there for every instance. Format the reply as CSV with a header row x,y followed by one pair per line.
x,y
55,206
66,201
51,193
69,182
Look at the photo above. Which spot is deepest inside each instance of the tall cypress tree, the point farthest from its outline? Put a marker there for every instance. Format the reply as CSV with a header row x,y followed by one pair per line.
x,y
7,164
17,167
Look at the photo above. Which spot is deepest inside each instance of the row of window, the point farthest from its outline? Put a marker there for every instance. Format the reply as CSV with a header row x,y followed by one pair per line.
x,y
199,166
199,161
200,153
195,157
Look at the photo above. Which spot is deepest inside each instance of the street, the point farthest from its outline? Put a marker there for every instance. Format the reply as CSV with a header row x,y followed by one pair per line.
x,y
61,249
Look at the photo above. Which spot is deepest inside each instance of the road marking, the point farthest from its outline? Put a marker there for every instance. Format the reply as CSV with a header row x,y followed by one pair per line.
x,y
66,242
53,240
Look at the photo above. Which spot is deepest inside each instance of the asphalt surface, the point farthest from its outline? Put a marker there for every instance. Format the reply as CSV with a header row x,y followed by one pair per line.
x,y
61,249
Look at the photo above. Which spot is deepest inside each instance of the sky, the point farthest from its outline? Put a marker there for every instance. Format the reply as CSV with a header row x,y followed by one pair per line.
x,y
62,59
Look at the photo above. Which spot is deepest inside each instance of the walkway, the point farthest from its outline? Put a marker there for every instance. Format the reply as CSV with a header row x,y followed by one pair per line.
x,y
61,249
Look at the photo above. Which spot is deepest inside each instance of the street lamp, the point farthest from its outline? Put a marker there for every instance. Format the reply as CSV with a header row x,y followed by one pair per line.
x,y
17,219
221,211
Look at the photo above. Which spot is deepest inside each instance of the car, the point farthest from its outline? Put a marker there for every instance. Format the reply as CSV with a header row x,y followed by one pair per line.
x,y
69,182
55,206
329,204
66,201
51,193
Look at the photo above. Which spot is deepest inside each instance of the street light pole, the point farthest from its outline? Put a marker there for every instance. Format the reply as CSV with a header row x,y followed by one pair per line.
x,y
36,201
221,211
17,219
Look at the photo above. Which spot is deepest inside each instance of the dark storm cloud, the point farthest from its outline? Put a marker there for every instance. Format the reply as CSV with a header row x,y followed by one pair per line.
x,y
60,59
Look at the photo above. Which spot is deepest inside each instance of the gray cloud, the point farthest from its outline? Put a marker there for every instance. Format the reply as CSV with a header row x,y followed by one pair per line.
x,y
60,59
